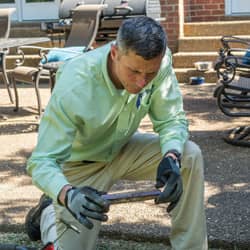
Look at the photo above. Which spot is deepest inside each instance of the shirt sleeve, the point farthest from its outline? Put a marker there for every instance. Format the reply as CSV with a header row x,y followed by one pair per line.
x,y
56,134
166,109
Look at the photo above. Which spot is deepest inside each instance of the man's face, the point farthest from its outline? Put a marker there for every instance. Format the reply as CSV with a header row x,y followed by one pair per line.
x,y
132,72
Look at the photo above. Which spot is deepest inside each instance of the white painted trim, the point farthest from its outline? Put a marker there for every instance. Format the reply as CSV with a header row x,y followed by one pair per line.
x,y
181,18
228,7
20,11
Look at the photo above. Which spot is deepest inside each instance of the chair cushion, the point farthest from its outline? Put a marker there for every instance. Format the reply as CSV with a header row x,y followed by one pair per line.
x,y
246,58
62,54
25,74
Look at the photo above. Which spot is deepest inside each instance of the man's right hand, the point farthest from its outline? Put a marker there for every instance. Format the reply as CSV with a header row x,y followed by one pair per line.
x,y
86,202
169,177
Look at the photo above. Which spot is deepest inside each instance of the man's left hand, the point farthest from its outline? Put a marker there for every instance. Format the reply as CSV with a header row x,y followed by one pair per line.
x,y
169,177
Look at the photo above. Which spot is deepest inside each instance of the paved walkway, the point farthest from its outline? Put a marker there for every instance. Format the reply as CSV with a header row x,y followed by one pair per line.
x,y
227,174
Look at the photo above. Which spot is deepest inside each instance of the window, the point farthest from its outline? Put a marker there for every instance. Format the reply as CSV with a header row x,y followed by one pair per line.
x,y
7,1
38,1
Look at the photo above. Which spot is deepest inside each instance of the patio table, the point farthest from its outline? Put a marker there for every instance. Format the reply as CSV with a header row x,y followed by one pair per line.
x,y
7,43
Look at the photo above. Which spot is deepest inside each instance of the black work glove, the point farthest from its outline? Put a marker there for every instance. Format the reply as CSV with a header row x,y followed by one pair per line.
x,y
86,202
169,177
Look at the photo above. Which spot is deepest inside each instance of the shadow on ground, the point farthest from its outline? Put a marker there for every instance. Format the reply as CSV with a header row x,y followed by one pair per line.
x,y
227,175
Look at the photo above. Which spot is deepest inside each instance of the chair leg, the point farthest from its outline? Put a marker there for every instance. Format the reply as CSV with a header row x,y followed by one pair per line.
x,y
4,75
9,93
39,103
16,94
7,85
52,79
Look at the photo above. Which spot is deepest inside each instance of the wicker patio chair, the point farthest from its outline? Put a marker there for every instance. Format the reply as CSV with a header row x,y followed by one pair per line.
x,y
233,91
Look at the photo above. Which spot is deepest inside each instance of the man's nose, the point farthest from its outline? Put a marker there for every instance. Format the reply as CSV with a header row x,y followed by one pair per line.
x,y
143,78
142,82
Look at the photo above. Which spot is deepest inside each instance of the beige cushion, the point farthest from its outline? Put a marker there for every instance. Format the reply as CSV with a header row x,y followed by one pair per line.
x,y
25,74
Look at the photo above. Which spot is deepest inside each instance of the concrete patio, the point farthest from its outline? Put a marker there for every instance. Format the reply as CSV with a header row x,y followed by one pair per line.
x,y
227,173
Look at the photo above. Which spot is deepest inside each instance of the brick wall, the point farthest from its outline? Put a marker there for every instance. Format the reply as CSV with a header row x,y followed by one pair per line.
x,y
169,10
204,10
194,11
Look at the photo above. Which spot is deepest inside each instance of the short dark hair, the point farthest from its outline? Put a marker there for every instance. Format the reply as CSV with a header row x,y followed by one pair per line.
x,y
142,35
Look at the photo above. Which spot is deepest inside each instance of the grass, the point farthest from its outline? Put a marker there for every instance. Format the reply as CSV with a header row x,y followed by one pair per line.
x,y
103,243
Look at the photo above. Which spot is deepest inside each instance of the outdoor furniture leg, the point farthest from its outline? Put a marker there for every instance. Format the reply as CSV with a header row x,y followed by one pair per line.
x,y
4,74
52,79
16,95
39,103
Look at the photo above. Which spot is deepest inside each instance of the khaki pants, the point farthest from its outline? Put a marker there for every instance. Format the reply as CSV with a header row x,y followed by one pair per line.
x,y
138,160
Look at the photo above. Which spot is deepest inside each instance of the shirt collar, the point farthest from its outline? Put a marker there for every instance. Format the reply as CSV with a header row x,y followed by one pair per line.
x,y
110,84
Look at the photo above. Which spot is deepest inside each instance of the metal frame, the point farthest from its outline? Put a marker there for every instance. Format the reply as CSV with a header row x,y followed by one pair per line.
x,y
5,22
233,92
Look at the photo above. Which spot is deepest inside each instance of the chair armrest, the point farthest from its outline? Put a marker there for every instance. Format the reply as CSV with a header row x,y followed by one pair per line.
x,y
225,71
5,51
57,54
66,7
41,51
239,57
90,7
237,51
229,42
62,54
7,11
232,62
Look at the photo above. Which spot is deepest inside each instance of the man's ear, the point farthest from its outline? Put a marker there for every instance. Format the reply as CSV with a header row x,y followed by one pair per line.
x,y
114,51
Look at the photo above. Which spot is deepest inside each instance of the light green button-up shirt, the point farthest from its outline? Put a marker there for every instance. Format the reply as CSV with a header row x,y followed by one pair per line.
x,y
87,118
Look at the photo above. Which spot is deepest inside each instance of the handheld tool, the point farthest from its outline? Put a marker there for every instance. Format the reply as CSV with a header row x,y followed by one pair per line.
x,y
117,198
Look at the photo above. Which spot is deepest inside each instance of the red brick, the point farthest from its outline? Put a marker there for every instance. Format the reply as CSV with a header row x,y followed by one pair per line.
x,y
217,1
172,2
201,1
170,32
212,18
197,19
212,6
173,14
192,13
170,8
163,2
196,7
165,8
169,19
203,13
218,12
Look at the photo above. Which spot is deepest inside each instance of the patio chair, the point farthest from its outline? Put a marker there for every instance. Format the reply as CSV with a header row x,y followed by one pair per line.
x,y
233,91
85,21
5,22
